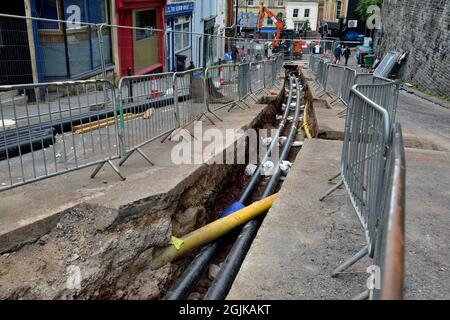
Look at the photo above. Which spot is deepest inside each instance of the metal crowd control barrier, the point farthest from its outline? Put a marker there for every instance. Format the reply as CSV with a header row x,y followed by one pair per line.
x,y
322,74
222,86
69,126
384,94
365,147
147,111
313,63
257,77
245,83
334,77
389,251
268,74
191,94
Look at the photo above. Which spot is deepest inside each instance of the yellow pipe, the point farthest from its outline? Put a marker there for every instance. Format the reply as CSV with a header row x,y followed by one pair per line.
x,y
210,232
305,122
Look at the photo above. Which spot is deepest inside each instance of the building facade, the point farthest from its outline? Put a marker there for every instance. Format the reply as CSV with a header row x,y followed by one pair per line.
x,y
44,51
248,15
179,19
68,50
333,10
341,19
208,25
299,13
52,51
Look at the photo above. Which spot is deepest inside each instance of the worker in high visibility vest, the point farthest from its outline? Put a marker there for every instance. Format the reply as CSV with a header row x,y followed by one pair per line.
x,y
298,48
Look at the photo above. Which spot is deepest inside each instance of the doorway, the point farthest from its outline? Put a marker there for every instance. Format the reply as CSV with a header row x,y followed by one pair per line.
x,y
145,42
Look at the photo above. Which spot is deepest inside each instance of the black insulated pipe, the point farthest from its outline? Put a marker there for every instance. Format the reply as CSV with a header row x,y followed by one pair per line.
x,y
228,272
184,285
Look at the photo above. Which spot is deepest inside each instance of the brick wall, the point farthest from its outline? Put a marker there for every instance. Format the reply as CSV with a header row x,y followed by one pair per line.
x,y
422,28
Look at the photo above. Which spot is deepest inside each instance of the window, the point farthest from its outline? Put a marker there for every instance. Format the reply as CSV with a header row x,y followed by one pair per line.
x,y
269,22
298,26
281,3
182,40
250,2
295,15
49,10
280,16
338,9
145,19
306,13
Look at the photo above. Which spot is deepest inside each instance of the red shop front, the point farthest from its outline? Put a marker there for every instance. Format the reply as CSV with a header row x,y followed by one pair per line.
x,y
140,50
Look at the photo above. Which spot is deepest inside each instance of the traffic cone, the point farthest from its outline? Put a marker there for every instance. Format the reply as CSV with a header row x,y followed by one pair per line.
x,y
221,76
154,87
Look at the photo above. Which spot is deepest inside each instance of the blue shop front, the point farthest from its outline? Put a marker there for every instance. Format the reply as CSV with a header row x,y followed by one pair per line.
x,y
178,18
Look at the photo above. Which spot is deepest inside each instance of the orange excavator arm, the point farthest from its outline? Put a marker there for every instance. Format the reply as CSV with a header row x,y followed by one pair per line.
x,y
278,24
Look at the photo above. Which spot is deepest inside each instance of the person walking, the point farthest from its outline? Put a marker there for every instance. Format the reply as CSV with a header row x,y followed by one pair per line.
x,y
337,54
347,54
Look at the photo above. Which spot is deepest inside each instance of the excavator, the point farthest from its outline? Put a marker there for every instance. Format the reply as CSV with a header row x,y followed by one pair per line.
x,y
278,24
280,27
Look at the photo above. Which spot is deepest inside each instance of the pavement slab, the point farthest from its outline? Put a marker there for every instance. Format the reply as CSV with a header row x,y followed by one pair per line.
x,y
307,238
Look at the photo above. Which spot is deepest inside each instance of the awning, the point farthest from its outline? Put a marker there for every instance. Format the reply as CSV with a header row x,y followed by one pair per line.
x,y
268,30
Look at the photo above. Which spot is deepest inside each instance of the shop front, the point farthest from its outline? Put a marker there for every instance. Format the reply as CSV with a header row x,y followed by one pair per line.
x,y
178,40
70,50
141,51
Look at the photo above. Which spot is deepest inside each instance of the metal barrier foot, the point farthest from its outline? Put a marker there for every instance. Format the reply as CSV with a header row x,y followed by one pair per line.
x,y
116,170
145,156
334,177
347,264
321,94
235,105
168,135
337,186
334,101
124,159
138,151
362,296
343,112
208,118
245,103
213,113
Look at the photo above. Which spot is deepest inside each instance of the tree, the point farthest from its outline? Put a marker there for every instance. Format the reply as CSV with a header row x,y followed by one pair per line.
x,y
307,26
363,5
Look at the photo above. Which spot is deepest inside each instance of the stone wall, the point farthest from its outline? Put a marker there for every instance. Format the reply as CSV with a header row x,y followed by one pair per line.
x,y
423,29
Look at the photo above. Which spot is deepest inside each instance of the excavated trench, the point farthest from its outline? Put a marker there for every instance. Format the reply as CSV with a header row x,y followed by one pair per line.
x,y
96,253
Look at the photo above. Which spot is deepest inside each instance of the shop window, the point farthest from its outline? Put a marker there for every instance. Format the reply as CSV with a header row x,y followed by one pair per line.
x,y
145,19
145,44
338,9
182,37
47,9
78,54
92,11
